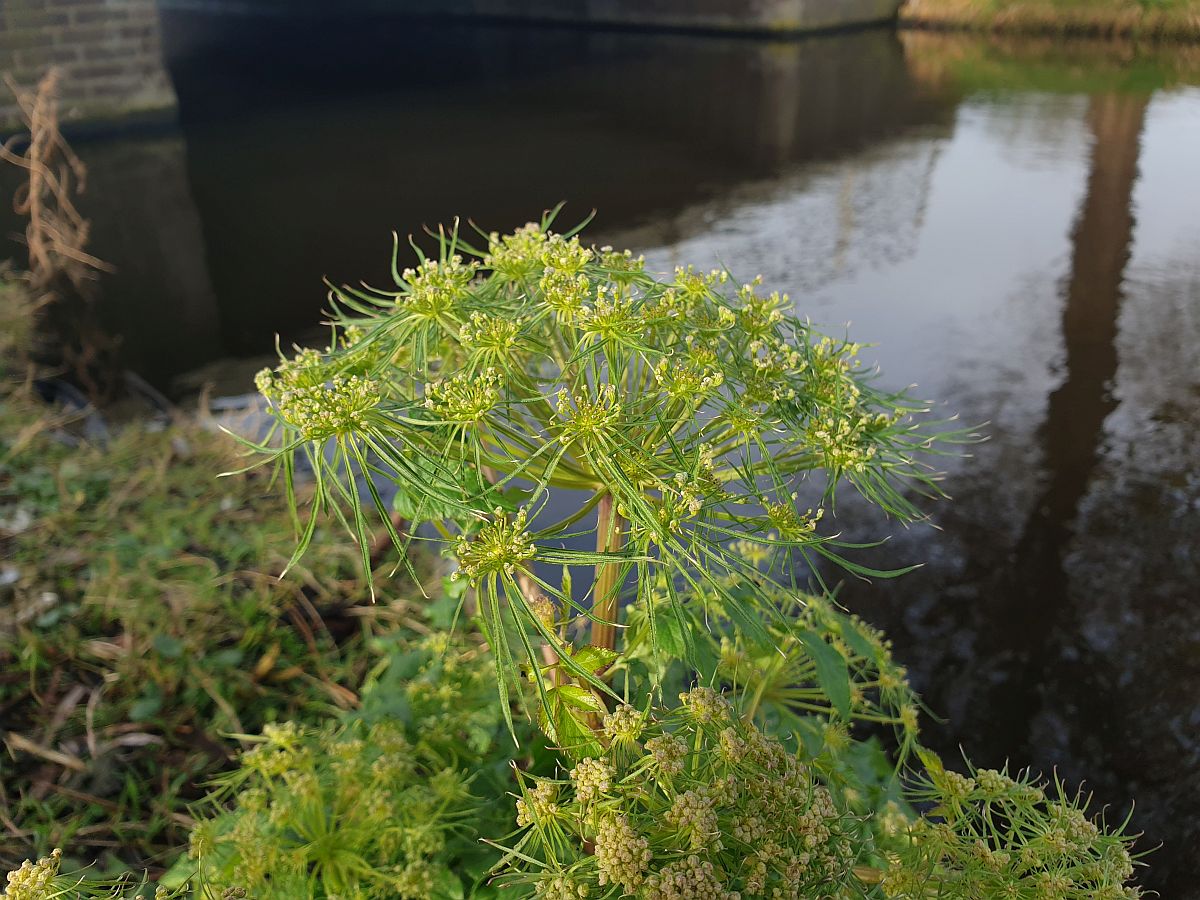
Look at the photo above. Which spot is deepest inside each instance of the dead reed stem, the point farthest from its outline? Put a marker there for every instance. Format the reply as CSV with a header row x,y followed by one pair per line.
x,y
56,233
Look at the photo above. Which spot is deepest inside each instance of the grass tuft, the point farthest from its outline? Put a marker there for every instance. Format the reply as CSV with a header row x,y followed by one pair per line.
x,y
142,623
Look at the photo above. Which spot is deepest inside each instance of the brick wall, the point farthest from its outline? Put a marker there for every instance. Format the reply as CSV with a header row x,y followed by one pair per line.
x,y
109,51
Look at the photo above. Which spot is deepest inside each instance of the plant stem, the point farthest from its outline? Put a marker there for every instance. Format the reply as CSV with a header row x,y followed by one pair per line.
x,y
607,586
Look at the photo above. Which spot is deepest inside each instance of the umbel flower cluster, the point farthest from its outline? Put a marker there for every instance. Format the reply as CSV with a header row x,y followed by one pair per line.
x,y
34,880
687,408
692,804
45,880
380,806
989,834
698,803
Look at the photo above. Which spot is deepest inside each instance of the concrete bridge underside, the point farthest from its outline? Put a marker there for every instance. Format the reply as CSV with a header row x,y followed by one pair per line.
x,y
766,17
110,51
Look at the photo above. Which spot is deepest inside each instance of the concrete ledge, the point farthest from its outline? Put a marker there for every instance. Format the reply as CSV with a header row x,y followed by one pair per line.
x,y
763,17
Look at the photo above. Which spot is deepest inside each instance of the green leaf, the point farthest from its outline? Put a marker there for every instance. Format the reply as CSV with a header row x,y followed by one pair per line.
x,y
564,720
832,672
669,638
168,646
145,706
858,641
579,698
809,729
932,762
230,657
181,872
705,660
594,659
447,885
443,611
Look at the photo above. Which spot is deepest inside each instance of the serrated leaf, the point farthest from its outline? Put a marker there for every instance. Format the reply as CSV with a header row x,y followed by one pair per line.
x,y
705,659
145,707
832,672
858,642
565,721
578,698
931,761
594,659
168,646
443,611
447,885
669,638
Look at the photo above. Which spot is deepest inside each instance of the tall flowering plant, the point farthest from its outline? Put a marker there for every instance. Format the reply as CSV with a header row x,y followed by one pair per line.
x,y
684,411
521,395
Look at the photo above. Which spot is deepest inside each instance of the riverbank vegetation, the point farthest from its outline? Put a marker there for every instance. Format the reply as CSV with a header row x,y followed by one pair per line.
x,y
969,64
703,728
141,622
624,696
1166,20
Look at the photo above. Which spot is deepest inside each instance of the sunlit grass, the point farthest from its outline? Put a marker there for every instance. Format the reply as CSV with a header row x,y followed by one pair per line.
x,y
1162,19
1010,63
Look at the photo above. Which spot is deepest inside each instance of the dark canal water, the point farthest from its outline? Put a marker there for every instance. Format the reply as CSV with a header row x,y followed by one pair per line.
x,y
1018,230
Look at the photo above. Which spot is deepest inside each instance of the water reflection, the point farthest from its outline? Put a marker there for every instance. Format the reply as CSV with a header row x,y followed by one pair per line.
x,y
1024,256
1070,434
298,172
1055,622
